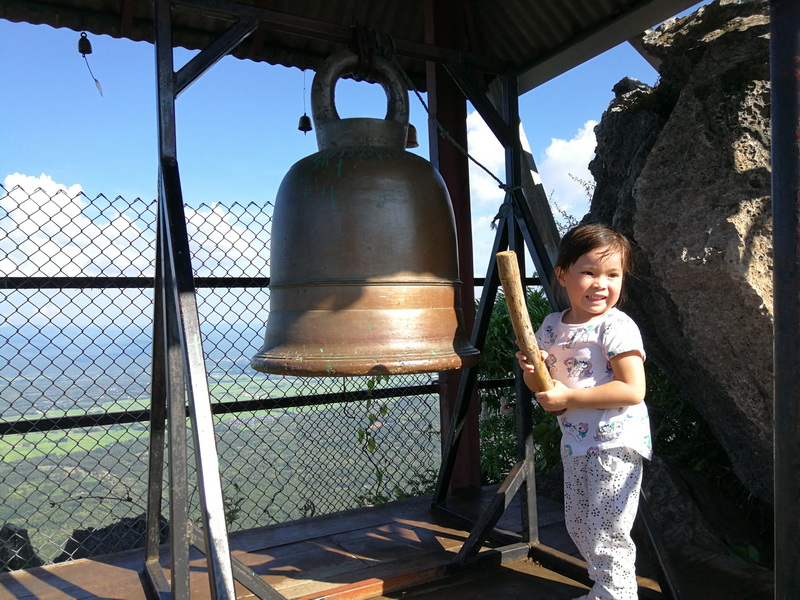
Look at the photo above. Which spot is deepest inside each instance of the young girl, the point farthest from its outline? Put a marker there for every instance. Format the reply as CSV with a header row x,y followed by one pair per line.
x,y
594,353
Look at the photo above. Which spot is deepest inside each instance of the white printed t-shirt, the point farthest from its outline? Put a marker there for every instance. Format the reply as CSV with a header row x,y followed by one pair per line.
x,y
579,357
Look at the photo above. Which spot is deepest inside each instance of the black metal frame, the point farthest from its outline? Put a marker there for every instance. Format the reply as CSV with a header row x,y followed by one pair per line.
x,y
178,362
179,372
785,120
516,230
179,369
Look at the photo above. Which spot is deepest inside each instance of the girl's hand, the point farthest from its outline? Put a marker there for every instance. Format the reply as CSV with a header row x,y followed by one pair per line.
x,y
523,361
528,368
555,400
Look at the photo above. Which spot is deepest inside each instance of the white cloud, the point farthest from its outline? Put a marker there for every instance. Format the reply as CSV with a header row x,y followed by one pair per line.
x,y
564,162
222,246
49,229
486,150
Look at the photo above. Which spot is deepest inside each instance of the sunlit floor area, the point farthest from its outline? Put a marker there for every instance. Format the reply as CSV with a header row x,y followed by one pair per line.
x,y
390,551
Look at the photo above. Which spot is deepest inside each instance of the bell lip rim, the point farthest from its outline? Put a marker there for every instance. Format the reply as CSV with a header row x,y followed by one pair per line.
x,y
345,282
277,365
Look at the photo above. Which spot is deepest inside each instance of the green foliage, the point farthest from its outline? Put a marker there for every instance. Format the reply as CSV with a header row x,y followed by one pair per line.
x,y
498,447
232,502
498,423
679,431
308,509
497,356
547,434
682,435
418,484
749,553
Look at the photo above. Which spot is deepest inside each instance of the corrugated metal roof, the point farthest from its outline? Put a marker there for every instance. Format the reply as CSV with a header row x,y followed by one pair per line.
x,y
537,36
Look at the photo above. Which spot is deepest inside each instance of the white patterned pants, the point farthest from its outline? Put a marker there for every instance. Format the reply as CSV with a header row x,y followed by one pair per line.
x,y
601,496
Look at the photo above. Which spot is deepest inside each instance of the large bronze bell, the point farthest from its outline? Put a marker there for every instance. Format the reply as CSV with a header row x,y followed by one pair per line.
x,y
364,266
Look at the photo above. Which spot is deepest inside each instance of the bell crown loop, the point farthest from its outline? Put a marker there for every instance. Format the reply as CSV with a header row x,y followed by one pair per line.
x,y
335,132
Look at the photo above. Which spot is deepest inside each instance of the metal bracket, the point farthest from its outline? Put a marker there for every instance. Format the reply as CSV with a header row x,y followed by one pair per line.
x,y
179,363
537,235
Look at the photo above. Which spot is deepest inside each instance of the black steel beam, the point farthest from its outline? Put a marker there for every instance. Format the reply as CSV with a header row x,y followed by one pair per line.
x,y
186,374
491,515
785,116
158,434
465,80
212,54
226,408
469,376
86,283
312,28
175,388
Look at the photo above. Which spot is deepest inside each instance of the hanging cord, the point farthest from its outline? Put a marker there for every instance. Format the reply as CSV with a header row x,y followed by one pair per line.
x,y
304,91
304,124
385,44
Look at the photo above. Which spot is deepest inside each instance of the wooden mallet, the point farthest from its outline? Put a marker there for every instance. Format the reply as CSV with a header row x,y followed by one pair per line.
x,y
518,311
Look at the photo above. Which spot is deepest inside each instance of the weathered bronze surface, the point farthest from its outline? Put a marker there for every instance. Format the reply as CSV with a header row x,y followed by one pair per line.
x,y
364,267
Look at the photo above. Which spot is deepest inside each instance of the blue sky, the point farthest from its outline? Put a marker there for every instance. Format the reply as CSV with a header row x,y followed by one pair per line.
x,y
237,125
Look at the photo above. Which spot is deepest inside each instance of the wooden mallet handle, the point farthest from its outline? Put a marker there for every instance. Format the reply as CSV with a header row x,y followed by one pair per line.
x,y
518,311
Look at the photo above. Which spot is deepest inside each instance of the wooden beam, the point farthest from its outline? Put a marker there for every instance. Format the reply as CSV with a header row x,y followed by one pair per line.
x,y
449,107
603,36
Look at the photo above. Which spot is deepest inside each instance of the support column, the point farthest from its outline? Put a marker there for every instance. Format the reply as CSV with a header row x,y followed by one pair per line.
x,y
448,105
785,121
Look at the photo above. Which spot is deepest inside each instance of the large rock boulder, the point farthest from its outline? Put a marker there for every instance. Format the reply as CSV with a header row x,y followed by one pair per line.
x,y
125,534
684,170
16,550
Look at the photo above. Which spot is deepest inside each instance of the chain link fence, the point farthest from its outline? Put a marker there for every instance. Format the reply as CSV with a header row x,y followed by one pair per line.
x,y
76,325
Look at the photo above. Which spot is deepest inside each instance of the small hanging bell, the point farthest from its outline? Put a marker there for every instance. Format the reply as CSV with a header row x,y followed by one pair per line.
x,y
305,124
411,137
84,45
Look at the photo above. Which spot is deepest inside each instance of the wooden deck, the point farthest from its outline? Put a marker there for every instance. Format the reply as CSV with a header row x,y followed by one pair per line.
x,y
395,550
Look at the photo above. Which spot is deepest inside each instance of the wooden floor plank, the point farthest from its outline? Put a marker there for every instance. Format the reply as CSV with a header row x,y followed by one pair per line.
x,y
298,559
76,580
323,525
364,549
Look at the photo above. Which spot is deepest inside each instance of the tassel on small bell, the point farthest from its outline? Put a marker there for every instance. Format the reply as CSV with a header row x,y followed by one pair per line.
x,y
305,124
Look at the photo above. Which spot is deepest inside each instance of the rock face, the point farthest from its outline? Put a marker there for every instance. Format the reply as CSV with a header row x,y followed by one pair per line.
x,y
16,550
684,170
123,535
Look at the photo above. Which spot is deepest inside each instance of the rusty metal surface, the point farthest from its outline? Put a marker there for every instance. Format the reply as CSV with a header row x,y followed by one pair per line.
x,y
364,264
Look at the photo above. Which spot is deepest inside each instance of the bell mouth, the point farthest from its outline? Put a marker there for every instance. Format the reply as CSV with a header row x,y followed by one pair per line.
x,y
350,329
285,361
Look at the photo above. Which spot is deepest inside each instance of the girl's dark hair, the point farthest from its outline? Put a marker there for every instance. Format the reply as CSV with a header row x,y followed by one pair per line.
x,y
585,238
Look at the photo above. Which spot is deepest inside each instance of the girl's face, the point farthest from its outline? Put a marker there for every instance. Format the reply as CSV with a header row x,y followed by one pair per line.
x,y
593,284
